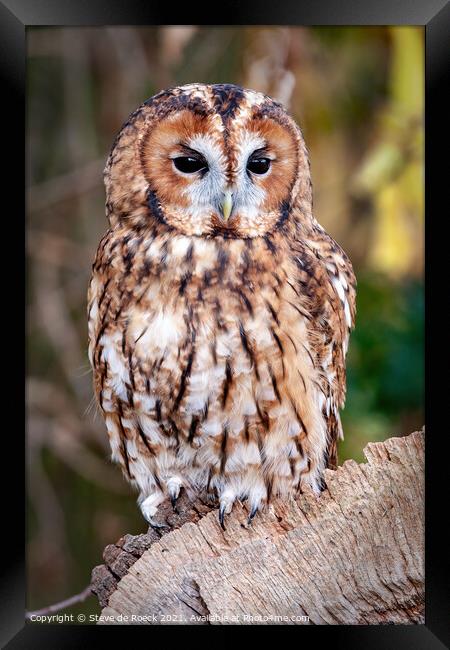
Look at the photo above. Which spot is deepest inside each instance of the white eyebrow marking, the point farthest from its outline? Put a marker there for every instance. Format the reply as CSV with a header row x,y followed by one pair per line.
x,y
246,145
209,148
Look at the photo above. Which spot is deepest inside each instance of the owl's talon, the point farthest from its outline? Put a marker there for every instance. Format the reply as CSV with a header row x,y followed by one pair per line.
x,y
226,505
252,514
222,516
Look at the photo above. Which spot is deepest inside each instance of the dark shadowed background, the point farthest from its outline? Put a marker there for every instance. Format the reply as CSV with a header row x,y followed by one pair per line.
x,y
358,96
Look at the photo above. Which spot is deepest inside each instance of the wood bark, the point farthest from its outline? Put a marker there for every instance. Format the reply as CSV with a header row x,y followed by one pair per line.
x,y
354,555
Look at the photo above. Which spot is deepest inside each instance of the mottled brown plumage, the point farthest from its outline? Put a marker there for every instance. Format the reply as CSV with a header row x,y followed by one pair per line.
x,y
217,335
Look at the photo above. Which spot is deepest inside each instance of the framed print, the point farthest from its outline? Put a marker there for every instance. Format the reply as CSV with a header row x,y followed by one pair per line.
x,y
225,318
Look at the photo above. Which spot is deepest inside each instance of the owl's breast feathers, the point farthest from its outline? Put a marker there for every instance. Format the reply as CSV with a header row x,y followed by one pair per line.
x,y
212,355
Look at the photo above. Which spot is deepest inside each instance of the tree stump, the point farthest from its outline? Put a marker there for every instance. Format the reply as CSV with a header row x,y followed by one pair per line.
x,y
354,555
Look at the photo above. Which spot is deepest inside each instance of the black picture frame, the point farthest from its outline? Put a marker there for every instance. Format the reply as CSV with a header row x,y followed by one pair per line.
x,y
434,15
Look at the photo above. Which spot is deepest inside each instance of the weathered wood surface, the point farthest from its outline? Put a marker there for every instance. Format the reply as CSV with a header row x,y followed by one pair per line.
x,y
355,555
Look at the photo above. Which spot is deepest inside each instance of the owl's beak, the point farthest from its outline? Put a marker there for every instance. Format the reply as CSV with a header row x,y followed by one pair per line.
x,y
227,205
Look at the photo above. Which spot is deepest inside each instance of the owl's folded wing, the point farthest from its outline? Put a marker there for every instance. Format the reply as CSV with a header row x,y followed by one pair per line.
x,y
330,285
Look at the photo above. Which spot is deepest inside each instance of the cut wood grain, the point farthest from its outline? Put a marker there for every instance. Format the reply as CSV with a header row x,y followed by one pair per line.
x,y
354,555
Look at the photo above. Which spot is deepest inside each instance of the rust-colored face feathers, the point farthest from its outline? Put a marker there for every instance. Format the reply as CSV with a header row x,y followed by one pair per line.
x,y
209,160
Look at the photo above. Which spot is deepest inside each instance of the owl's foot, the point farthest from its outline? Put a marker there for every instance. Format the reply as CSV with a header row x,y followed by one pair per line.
x,y
255,498
149,508
173,488
227,499
225,509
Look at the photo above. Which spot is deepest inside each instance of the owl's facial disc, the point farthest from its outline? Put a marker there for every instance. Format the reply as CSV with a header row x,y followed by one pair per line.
x,y
210,180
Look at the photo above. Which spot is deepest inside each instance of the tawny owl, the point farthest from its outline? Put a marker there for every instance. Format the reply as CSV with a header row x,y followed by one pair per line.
x,y
219,309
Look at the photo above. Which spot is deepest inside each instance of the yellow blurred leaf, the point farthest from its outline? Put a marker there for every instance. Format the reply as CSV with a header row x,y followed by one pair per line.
x,y
395,240
382,164
407,69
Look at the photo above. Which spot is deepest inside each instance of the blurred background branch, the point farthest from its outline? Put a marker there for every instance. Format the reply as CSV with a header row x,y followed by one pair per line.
x,y
358,95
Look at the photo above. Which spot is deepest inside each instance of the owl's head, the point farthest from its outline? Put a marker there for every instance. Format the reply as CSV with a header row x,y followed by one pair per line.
x,y
209,160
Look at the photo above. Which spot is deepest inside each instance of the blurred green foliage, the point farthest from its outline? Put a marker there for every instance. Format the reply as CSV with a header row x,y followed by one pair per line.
x,y
358,95
385,377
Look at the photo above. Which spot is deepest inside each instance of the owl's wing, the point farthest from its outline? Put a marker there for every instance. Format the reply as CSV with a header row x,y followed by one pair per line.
x,y
331,291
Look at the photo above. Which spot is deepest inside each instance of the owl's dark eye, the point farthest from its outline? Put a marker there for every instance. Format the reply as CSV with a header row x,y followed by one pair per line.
x,y
189,164
258,165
